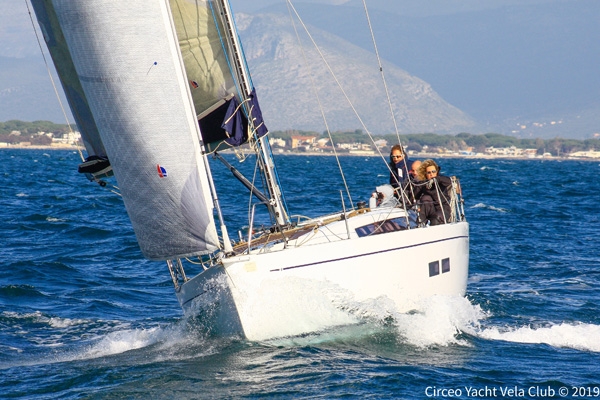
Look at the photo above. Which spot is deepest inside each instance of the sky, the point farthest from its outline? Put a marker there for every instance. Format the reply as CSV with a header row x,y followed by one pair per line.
x,y
521,72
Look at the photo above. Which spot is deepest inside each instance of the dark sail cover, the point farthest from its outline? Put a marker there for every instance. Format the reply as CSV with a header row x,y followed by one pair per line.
x,y
228,123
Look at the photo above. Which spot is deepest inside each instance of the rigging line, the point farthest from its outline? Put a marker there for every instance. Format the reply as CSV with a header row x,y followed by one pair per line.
x,y
387,92
441,198
236,78
437,190
260,166
339,84
52,79
254,175
254,135
321,109
327,65
235,111
241,50
224,47
244,83
240,154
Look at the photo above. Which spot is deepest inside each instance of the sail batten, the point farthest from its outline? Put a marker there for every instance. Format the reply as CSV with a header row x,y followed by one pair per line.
x,y
127,59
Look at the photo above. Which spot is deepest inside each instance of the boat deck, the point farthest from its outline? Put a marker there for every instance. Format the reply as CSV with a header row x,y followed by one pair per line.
x,y
270,238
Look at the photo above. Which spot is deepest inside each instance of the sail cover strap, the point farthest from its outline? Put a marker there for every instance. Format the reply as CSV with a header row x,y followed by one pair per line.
x,y
256,115
235,126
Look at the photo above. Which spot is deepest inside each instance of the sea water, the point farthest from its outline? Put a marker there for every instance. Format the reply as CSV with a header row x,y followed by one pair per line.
x,y
83,315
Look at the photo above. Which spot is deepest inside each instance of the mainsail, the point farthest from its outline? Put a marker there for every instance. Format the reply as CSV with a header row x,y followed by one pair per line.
x,y
126,57
209,77
222,103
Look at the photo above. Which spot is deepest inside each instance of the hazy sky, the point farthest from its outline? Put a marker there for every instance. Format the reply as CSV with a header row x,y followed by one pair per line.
x,y
17,38
530,58
408,7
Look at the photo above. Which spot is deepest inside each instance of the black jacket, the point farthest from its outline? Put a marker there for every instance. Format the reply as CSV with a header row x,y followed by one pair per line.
x,y
430,188
399,173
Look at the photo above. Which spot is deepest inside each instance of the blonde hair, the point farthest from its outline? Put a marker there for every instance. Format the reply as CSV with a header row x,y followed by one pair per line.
x,y
423,168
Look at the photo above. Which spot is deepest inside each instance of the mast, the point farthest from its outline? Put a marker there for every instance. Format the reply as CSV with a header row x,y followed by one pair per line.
x,y
263,152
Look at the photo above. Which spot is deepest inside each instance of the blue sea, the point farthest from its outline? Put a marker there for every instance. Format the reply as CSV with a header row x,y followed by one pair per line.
x,y
84,316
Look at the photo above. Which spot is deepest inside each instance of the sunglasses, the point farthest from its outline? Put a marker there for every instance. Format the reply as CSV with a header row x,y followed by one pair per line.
x,y
397,156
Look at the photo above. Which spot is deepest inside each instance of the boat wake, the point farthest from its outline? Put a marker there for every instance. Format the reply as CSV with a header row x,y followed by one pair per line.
x,y
440,321
121,341
433,322
578,336
52,340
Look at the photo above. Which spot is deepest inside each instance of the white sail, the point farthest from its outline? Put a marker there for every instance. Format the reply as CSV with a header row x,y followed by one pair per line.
x,y
201,46
128,62
223,103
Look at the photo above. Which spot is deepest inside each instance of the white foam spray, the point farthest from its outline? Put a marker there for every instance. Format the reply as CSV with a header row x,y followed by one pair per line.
x,y
294,309
434,321
315,307
482,205
121,341
438,320
577,336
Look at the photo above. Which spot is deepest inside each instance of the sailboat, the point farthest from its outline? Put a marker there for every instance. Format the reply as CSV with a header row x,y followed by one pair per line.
x,y
156,88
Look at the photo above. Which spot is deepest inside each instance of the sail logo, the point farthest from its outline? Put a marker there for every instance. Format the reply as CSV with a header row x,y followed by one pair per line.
x,y
194,84
162,172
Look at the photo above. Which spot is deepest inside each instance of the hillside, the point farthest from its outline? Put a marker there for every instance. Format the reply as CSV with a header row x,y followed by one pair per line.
x,y
286,83
522,64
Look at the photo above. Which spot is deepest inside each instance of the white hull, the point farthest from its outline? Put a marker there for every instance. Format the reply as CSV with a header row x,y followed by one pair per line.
x,y
269,292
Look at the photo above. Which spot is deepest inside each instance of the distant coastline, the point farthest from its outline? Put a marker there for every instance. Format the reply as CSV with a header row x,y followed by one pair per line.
x,y
54,146
421,155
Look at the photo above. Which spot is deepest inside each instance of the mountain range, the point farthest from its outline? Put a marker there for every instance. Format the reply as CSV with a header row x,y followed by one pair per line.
x,y
526,68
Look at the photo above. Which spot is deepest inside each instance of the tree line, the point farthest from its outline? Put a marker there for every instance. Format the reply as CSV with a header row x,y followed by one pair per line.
x,y
32,128
28,131
461,141
457,142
